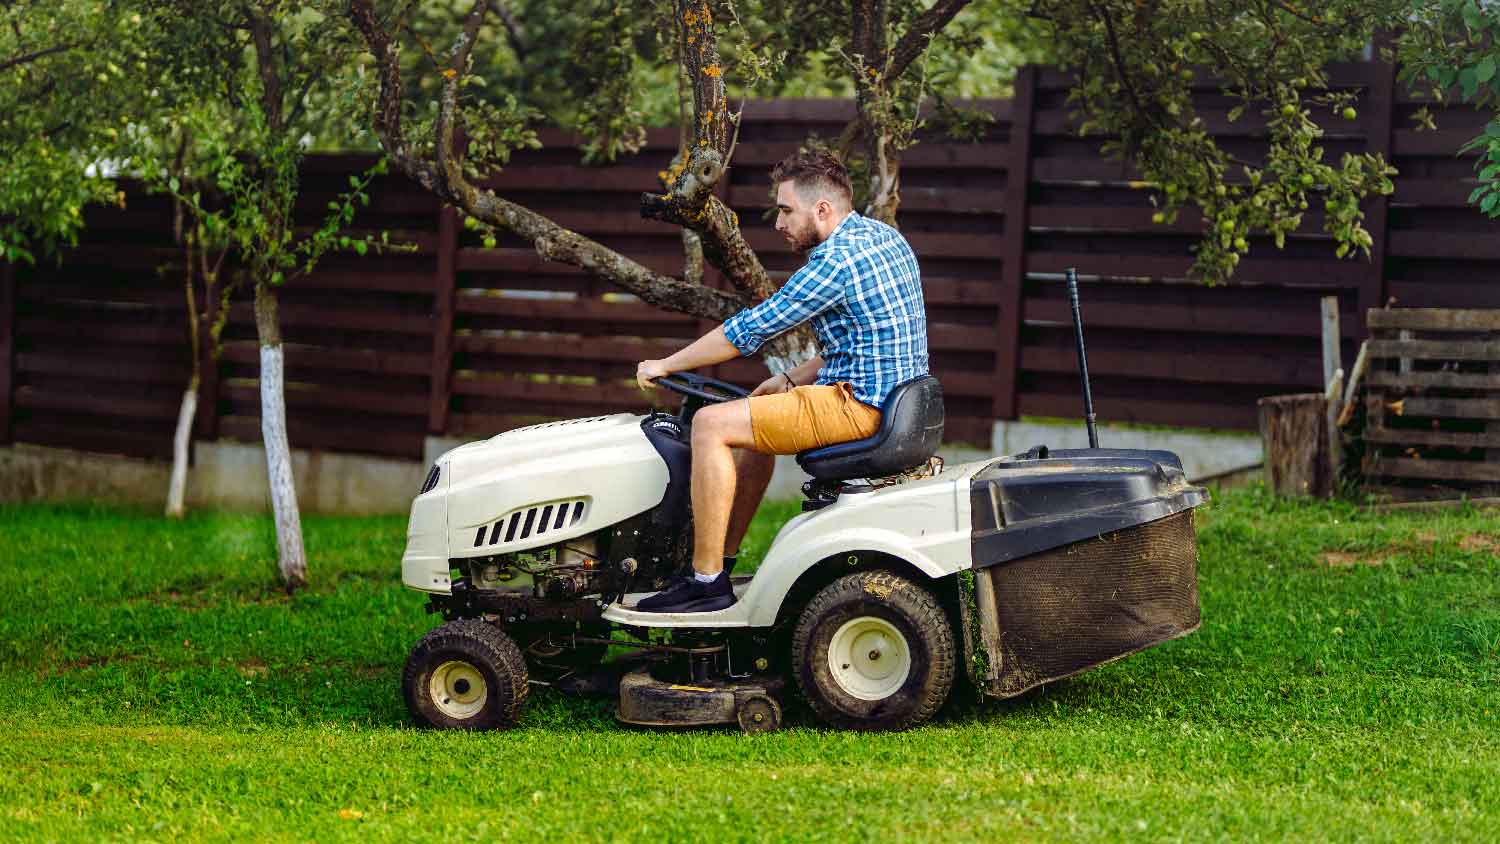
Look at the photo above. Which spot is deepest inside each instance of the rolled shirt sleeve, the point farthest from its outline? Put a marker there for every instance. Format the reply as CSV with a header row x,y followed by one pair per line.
x,y
812,290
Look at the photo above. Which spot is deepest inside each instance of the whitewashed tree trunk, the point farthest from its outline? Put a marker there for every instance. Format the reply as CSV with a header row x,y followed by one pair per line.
x,y
177,485
292,556
789,350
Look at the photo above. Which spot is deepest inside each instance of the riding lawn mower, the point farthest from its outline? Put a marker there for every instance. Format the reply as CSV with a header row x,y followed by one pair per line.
x,y
900,577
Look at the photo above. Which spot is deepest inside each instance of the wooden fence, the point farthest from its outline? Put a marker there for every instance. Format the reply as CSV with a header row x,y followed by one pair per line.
x,y
456,339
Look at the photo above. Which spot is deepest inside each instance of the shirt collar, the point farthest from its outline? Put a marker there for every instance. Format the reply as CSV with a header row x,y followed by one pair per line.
x,y
848,220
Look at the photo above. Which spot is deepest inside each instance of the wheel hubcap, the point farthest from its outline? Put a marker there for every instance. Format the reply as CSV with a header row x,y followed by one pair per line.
x,y
458,689
869,658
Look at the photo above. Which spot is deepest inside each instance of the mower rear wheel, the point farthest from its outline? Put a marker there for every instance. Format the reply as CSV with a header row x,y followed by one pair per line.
x,y
465,675
874,651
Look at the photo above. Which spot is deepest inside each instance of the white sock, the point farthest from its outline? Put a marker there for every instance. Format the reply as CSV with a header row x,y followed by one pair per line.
x,y
704,578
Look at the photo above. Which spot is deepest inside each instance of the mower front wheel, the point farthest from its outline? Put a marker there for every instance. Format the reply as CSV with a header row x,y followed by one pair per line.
x,y
874,651
466,675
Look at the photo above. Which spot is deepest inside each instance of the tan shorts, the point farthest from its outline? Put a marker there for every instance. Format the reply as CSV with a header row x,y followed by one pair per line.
x,y
810,417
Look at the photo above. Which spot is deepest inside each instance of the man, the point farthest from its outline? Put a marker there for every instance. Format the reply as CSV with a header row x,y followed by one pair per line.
x,y
862,292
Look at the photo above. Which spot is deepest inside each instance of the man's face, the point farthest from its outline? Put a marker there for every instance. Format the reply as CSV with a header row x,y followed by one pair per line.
x,y
795,218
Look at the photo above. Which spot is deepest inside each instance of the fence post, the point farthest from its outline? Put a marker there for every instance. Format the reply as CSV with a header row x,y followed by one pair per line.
x,y
7,345
1379,113
1013,246
444,286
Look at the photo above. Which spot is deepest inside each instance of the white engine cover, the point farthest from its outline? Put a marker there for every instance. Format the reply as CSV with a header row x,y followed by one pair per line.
x,y
530,488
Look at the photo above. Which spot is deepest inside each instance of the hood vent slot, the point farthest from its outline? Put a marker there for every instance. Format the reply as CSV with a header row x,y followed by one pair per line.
x,y
527,522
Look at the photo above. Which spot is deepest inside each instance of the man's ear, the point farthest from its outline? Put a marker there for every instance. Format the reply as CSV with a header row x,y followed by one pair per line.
x,y
824,209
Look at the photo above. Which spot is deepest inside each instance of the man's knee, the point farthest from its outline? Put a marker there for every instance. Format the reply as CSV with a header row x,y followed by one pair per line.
x,y
708,426
722,424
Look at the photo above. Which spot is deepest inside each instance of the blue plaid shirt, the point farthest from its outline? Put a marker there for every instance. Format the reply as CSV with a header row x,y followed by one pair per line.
x,y
863,292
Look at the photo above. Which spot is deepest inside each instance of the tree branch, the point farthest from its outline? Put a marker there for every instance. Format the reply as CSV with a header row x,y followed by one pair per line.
x,y
551,241
512,28
26,58
916,39
689,200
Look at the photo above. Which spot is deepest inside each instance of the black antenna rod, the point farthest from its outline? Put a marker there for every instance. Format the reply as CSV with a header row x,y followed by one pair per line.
x,y
1083,358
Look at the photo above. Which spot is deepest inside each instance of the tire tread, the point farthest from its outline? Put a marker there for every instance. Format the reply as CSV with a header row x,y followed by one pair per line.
x,y
925,612
487,641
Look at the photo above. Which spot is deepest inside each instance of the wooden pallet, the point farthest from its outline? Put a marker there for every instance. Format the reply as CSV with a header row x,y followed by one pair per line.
x,y
1432,404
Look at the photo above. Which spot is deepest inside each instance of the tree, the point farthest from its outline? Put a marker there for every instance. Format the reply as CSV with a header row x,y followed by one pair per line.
x,y
69,71
1452,47
270,70
881,46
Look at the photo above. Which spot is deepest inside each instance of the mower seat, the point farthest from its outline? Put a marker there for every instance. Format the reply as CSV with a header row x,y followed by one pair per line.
x,y
911,429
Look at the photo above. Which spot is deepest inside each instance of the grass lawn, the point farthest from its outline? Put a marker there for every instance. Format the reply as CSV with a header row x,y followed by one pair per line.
x,y
154,686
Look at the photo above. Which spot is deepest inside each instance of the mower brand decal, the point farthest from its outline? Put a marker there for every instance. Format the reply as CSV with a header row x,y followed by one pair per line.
x,y
689,689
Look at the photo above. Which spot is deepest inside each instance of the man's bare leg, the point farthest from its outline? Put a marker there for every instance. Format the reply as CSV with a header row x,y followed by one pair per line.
x,y
753,470
717,431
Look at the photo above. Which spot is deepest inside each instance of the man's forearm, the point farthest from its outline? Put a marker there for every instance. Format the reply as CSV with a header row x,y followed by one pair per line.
x,y
806,373
707,350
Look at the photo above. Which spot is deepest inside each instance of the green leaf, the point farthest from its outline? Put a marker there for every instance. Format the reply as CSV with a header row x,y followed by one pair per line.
x,y
354,181
1488,206
361,247
1468,82
173,184
1485,71
1473,17
1476,193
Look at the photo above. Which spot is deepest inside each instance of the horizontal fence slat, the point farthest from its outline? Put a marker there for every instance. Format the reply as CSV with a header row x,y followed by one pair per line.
x,y
582,310
155,410
128,333
306,434
1423,436
330,397
306,316
1154,411
1437,470
106,365
1474,246
1184,318
1454,408
1291,272
517,260
300,357
83,434
1434,319
1436,349
590,349
1184,365
1446,380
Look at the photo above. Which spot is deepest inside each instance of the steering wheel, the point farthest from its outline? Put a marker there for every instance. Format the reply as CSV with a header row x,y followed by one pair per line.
x,y
702,388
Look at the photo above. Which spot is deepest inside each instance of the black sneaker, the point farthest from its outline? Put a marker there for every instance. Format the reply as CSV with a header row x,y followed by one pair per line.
x,y
689,595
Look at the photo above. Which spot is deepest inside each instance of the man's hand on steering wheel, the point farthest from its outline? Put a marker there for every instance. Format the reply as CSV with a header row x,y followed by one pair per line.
x,y
648,371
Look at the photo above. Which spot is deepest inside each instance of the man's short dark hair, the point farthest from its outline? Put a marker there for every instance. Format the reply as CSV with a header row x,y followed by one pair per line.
x,y
815,172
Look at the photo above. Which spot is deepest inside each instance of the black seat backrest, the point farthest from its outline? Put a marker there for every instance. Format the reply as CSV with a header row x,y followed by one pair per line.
x,y
911,429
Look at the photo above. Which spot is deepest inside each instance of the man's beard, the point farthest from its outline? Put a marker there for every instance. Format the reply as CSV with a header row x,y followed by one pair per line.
x,y
803,240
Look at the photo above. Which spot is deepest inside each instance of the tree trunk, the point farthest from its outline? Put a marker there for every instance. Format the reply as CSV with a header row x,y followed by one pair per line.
x,y
177,485
1294,434
885,177
292,558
